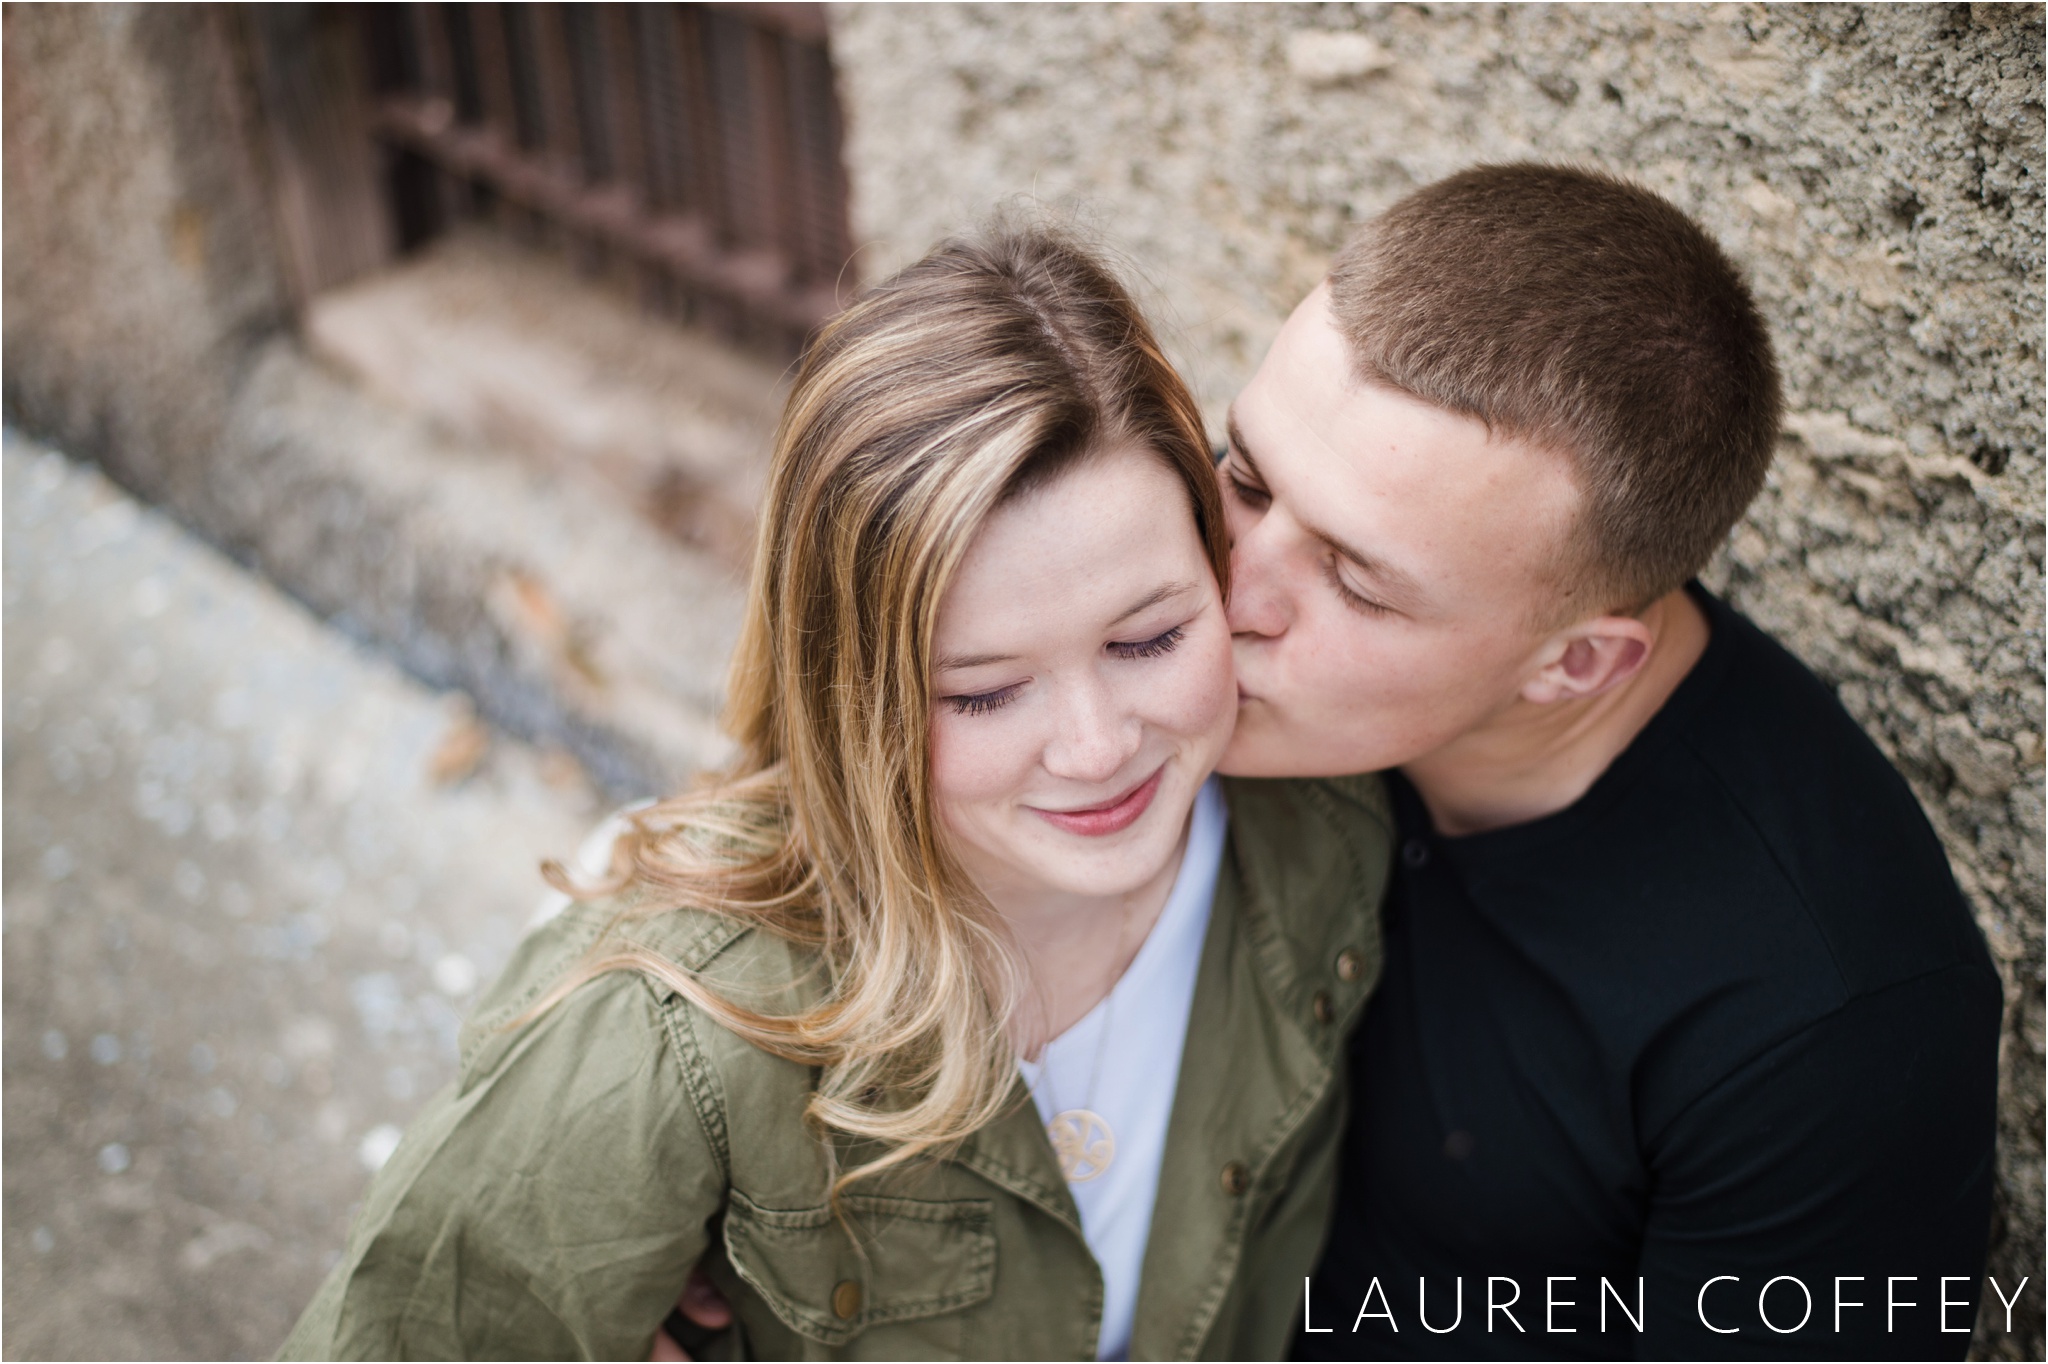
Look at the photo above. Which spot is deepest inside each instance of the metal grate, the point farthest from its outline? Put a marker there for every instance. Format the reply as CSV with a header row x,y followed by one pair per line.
x,y
691,148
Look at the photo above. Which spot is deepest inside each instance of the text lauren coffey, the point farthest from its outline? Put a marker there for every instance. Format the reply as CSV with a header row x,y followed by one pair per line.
x,y
1784,1304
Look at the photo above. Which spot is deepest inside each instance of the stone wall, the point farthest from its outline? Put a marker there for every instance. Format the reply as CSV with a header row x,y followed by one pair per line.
x,y
140,266
149,327
1876,169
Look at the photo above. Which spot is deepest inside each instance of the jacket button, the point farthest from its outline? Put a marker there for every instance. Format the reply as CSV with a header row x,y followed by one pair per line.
x,y
1324,1013
846,1300
1415,852
1236,1179
1350,964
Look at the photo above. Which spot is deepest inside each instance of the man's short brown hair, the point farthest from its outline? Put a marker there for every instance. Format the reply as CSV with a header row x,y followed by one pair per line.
x,y
1586,315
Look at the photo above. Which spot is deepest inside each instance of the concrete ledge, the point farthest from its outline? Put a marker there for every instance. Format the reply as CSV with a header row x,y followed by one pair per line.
x,y
570,618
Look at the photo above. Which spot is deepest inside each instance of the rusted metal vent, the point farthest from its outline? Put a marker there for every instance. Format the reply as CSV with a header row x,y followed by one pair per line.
x,y
693,149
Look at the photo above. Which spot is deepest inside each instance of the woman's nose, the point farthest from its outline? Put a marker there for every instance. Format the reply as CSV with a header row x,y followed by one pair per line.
x,y
1095,737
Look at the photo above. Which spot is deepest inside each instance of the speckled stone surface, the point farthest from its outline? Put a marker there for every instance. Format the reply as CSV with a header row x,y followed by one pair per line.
x,y
242,922
1876,168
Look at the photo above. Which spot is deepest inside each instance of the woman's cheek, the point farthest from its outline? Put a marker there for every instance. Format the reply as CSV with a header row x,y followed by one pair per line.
x,y
1201,695
968,765
949,764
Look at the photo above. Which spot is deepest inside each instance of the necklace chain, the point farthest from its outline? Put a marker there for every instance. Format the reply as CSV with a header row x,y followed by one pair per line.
x,y
1081,1137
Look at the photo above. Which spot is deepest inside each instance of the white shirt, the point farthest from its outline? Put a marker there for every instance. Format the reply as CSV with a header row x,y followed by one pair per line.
x,y
592,861
1122,1062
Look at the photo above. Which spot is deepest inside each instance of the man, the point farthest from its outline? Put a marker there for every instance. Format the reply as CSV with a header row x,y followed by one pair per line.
x,y
1685,1043
1686,1040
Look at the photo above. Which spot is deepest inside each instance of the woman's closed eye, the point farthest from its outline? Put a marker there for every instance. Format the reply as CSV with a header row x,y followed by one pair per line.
x,y
1149,648
981,703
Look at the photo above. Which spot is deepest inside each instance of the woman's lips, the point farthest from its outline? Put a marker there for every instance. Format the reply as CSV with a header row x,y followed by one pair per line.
x,y
1116,815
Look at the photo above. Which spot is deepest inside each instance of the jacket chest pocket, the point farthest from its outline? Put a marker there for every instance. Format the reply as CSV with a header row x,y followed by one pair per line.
x,y
916,1262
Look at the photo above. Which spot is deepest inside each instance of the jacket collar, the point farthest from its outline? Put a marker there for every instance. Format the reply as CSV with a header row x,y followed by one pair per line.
x,y
1307,866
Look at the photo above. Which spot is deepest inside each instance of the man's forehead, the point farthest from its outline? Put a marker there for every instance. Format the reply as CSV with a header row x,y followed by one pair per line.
x,y
1311,348
1363,462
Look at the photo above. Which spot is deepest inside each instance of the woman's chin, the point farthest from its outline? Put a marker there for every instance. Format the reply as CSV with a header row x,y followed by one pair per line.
x,y
1122,863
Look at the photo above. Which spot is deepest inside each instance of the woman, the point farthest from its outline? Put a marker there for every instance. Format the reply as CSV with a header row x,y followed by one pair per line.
x,y
966,1015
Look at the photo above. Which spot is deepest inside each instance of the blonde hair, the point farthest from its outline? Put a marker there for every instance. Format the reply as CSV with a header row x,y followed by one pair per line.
x,y
986,368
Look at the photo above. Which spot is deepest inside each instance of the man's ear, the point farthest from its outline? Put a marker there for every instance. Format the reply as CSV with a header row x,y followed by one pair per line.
x,y
1589,658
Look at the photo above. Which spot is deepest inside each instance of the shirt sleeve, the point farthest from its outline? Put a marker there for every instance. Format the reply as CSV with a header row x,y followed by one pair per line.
x,y
548,1207
1859,1150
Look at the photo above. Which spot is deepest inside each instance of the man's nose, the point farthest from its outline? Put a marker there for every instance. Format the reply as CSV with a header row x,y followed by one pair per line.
x,y
1259,602
1096,736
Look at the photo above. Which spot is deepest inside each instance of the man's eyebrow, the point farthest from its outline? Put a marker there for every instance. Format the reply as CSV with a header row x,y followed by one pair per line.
x,y
1236,436
1395,582
1391,580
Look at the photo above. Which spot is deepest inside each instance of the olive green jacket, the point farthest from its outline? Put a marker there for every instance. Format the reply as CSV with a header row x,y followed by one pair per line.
x,y
551,1202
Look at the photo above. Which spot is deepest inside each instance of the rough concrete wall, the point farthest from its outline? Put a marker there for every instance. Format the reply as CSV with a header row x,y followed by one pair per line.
x,y
140,270
1877,170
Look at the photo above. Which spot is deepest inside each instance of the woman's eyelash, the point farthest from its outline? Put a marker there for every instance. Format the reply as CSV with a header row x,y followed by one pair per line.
x,y
981,703
1149,648
984,702
1351,598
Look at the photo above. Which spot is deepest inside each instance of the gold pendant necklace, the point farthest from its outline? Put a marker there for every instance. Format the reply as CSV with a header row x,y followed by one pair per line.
x,y
1083,1142
1081,1138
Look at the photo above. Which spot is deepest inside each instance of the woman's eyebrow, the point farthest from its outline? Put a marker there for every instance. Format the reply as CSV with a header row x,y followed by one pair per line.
x,y
952,661
1153,598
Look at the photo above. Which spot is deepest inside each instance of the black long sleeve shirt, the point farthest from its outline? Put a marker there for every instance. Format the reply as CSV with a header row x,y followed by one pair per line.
x,y
1718,1035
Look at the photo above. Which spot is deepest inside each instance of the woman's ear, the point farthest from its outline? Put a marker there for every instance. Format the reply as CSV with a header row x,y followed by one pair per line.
x,y
1589,658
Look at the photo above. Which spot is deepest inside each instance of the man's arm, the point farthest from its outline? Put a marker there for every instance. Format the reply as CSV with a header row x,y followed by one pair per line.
x,y
1858,1149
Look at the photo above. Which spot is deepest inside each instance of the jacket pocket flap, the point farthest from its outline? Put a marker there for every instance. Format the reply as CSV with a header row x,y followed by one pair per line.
x,y
915,1258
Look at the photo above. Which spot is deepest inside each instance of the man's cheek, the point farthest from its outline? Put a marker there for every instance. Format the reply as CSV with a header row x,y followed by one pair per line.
x,y
1364,663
